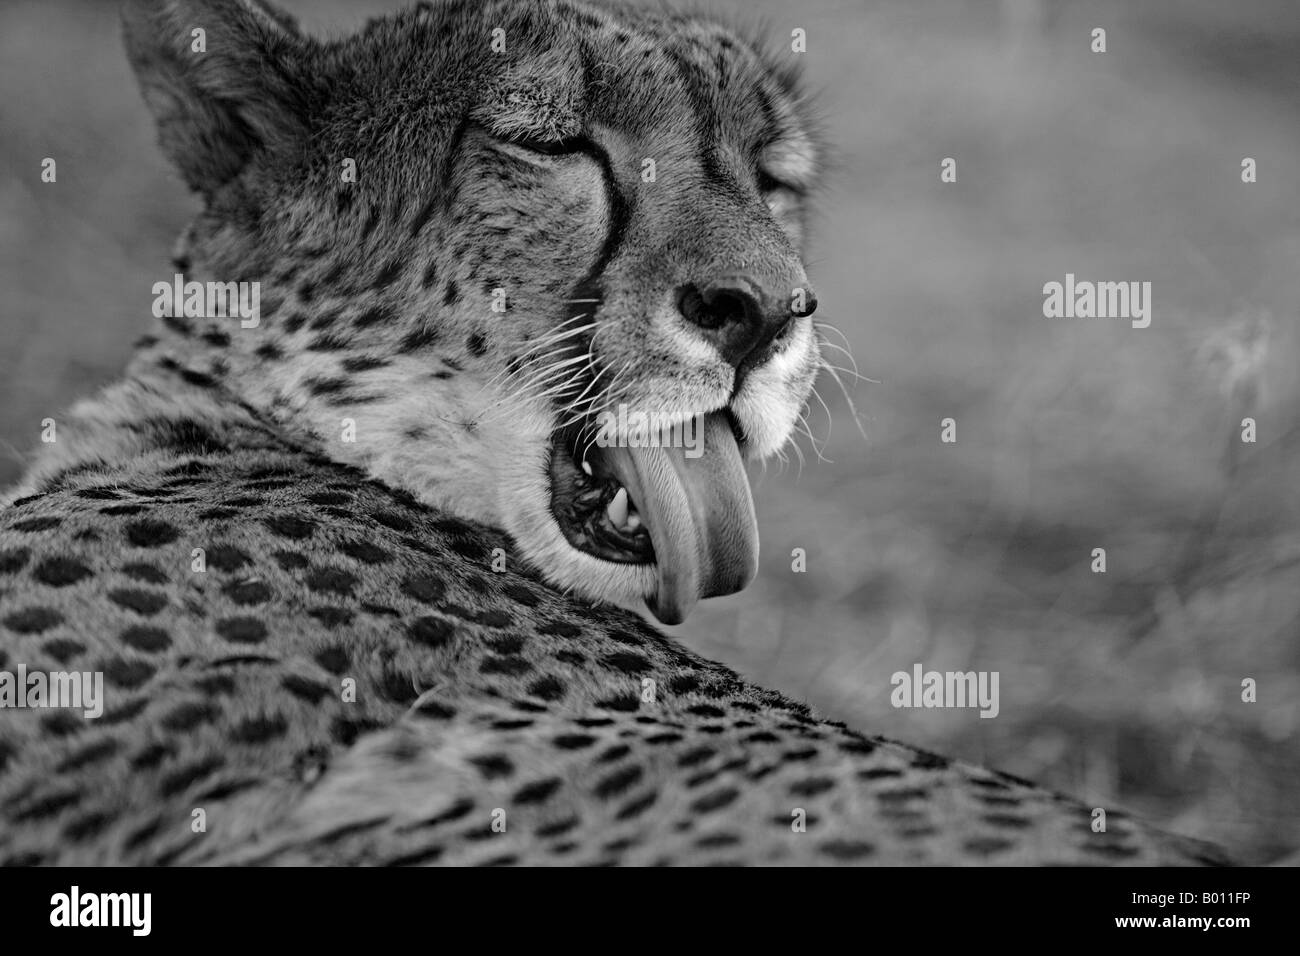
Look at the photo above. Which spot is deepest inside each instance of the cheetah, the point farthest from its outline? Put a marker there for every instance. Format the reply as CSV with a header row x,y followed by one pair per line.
x,y
355,576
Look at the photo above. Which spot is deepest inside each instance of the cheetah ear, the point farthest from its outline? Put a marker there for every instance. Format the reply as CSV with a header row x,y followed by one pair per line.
x,y
221,96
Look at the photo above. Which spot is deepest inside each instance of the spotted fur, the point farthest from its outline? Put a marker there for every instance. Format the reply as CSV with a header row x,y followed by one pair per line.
x,y
354,678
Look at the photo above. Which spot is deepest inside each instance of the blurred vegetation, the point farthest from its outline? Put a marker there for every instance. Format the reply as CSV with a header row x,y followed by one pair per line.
x,y
1072,434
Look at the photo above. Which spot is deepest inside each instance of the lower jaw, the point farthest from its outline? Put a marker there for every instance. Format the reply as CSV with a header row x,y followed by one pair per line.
x,y
578,502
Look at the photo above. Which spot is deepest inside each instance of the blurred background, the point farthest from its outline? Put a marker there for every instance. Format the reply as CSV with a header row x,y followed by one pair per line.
x,y
1072,434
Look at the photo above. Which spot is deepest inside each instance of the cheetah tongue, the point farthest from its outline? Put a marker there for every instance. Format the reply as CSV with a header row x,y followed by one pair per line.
x,y
700,515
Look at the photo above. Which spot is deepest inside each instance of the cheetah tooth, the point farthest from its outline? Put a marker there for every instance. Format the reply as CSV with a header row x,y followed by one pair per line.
x,y
617,509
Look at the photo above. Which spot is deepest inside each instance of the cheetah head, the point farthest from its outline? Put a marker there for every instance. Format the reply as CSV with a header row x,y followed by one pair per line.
x,y
536,262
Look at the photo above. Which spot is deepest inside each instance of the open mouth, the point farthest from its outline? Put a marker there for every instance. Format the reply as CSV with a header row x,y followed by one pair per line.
x,y
689,515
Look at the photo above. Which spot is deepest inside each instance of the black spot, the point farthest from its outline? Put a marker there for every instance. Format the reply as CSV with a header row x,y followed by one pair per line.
x,y
142,602
117,511
547,688
374,316
60,572
879,773
128,673
558,828
216,337
48,806
570,657
332,581
711,841
365,552
63,723
260,729
618,782
860,747
847,849
304,688
924,760
247,592
424,587
147,573
392,520
616,752
511,665
667,738
396,686
695,756
493,766
289,561
198,379
215,684
363,363
11,562
431,708
510,644
89,754
430,631
477,345
328,342
144,638
291,526
346,730
812,786
326,386
560,629
62,649
706,710
388,274
185,436
270,351
187,775
188,715
624,702
128,711
984,846
333,658
684,684
36,524
626,662
151,756
636,807
716,800
241,630
419,338
625,637
148,533
537,792
452,294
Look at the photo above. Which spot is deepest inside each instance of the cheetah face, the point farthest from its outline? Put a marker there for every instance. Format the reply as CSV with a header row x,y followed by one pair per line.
x,y
562,291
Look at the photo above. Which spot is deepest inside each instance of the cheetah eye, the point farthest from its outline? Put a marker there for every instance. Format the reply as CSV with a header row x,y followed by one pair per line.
x,y
768,183
567,146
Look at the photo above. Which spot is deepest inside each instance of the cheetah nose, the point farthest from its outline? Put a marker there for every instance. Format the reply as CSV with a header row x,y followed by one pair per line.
x,y
739,316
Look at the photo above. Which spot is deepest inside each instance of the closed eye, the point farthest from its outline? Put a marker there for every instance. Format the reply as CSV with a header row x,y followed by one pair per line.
x,y
552,147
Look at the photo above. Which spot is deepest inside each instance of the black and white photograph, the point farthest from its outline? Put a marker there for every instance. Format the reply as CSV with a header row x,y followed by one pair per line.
x,y
569,433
